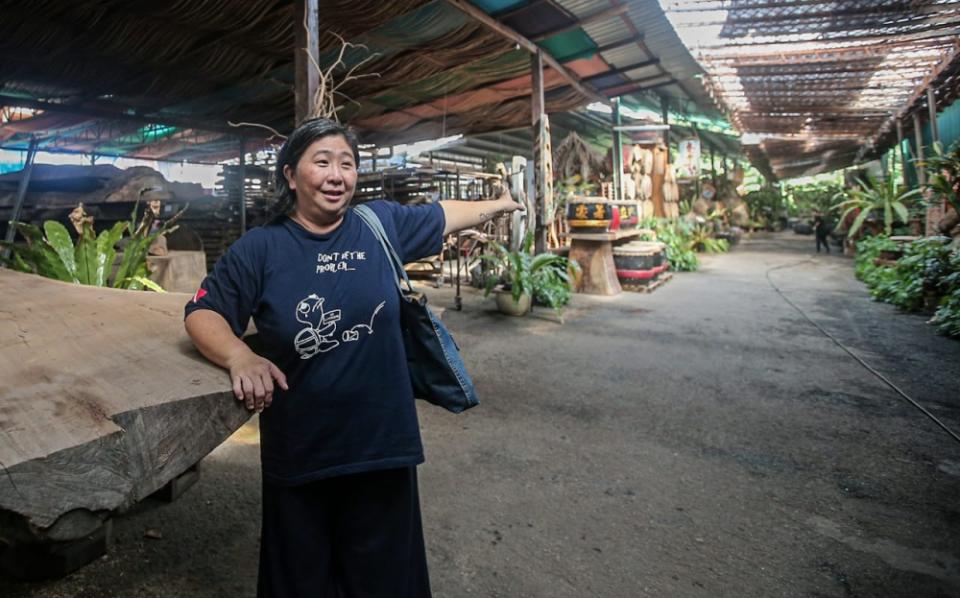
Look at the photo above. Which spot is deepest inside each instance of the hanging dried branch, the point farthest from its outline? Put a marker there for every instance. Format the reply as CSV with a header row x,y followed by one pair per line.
x,y
271,129
328,88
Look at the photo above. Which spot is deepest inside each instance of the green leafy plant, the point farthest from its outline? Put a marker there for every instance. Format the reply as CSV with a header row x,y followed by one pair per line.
x,y
702,239
678,238
812,197
89,260
767,207
873,195
929,270
943,173
868,250
917,274
947,316
546,277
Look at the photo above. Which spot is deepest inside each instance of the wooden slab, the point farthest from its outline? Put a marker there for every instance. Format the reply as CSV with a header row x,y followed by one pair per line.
x,y
103,400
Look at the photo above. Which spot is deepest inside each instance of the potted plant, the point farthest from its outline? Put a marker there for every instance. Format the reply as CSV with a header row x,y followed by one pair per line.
x,y
522,278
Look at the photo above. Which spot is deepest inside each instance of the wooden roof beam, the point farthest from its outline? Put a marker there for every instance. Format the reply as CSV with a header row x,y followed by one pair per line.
x,y
498,27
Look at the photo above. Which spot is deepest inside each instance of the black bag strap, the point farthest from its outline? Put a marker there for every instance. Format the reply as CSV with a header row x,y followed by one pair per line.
x,y
371,219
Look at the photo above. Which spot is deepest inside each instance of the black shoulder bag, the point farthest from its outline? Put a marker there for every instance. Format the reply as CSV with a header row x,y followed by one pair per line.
x,y
436,370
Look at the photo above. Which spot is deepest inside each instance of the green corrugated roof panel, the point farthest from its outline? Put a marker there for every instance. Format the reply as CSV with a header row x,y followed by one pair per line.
x,y
495,6
570,45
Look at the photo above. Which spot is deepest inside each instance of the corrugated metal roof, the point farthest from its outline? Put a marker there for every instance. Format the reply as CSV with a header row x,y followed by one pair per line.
x,y
659,40
820,82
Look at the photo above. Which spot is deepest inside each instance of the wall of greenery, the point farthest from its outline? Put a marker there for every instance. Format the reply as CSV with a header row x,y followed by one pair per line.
x,y
925,278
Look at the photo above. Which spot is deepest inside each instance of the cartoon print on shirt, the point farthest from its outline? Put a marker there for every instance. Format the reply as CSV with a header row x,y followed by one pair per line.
x,y
319,334
353,334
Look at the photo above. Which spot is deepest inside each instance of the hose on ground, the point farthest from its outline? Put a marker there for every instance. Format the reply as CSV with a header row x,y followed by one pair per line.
x,y
846,349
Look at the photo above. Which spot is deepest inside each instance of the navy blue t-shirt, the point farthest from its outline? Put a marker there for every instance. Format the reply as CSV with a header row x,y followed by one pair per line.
x,y
327,310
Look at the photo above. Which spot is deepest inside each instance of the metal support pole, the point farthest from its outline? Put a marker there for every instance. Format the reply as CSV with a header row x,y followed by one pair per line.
x,y
21,190
932,107
918,137
458,300
242,175
617,151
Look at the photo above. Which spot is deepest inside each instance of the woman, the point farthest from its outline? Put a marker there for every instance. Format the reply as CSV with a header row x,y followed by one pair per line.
x,y
340,440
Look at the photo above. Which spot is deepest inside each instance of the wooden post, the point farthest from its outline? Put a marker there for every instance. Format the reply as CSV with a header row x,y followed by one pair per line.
x,y
306,39
665,110
903,159
713,169
617,151
22,190
543,173
918,137
932,107
659,205
242,175
934,212
696,169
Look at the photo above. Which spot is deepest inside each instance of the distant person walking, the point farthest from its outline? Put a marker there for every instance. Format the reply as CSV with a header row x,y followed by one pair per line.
x,y
821,229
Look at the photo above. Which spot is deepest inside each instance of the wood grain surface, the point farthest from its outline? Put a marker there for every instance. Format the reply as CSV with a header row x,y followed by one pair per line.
x,y
103,400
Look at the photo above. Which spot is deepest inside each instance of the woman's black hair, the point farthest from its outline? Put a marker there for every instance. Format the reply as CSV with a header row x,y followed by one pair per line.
x,y
289,155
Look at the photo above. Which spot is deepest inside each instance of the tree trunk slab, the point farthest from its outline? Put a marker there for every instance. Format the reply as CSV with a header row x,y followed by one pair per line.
x,y
103,401
599,274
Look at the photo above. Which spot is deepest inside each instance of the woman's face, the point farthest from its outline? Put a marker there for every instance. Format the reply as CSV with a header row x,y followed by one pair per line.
x,y
324,180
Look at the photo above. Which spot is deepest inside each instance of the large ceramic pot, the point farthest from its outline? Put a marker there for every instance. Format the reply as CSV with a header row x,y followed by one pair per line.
x,y
507,305
589,215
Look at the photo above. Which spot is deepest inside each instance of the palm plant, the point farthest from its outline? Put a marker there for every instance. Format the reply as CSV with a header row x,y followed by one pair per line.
x,y
883,196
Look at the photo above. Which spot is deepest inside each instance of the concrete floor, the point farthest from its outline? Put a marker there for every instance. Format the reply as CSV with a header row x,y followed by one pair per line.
x,y
704,440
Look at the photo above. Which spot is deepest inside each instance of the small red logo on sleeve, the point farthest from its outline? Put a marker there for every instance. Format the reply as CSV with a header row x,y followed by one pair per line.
x,y
201,293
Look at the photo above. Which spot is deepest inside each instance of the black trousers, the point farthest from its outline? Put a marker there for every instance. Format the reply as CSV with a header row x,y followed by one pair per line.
x,y
825,240
353,536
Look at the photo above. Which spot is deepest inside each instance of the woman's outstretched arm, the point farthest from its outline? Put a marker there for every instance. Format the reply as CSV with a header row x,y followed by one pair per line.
x,y
464,214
